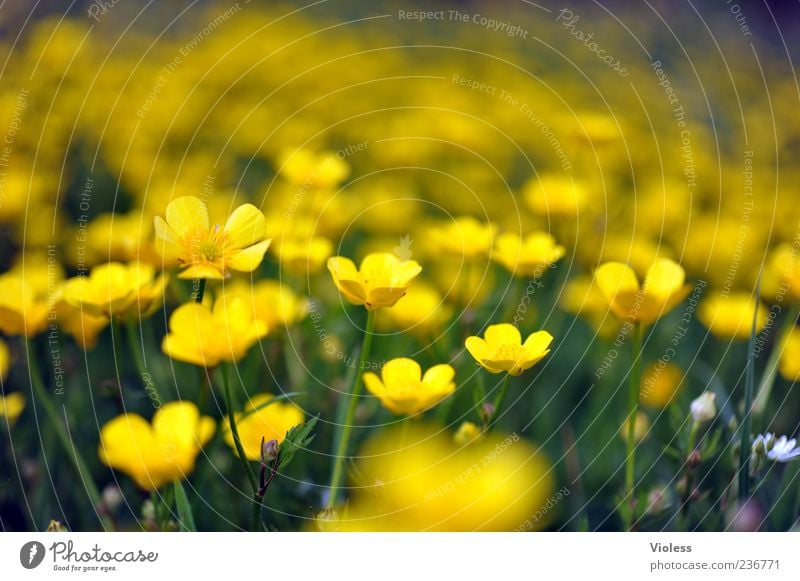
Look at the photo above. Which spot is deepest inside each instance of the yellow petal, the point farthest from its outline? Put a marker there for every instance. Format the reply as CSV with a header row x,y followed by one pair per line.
x,y
538,343
504,333
245,227
477,347
248,259
439,375
401,373
185,214
664,277
614,278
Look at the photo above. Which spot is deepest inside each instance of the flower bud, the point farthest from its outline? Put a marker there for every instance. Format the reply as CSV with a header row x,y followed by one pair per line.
x,y
703,409
269,451
467,432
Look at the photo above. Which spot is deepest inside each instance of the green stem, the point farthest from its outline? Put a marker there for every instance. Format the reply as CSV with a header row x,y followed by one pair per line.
x,y
747,418
201,291
255,512
71,450
687,494
355,391
633,409
251,476
768,379
500,398
138,359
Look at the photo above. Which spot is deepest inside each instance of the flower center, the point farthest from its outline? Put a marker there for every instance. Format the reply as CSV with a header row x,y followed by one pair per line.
x,y
507,352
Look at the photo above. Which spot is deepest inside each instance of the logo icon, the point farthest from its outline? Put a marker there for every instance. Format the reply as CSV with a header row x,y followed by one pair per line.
x,y
31,554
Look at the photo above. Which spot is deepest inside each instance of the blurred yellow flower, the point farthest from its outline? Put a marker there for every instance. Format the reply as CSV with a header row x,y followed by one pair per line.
x,y
731,316
80,324
204,251
303,256
641,427
660,383
790,355
527,256
117,289
403,390
274,303
204,337
467,433
121,238
262,419
421,312
5,361
467,285
381,280
421,480
782,273
159,453
501,349
11,406
662,290
23,311
555,195
310,169
464,236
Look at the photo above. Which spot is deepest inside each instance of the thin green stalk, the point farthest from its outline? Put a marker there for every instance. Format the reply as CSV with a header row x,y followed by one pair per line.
x,y
500,398
687,494
747,418
354,393
768,379
71,450
133,345
633,410
201,291
251,476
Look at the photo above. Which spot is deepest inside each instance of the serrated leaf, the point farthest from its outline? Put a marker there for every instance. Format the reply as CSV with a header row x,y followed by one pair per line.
x,y
297,438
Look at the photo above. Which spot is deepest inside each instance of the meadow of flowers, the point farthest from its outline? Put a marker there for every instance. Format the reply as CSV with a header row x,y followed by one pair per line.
x,y
347,267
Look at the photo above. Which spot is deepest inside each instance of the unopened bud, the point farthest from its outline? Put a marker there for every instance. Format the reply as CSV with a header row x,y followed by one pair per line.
x,y
704,409
487,412
694,459
269,451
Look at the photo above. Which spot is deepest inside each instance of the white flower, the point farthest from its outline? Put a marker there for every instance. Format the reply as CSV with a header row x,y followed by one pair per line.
x,y
703,409
783,450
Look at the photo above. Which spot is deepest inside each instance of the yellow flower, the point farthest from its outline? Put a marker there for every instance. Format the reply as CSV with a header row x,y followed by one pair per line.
x,y
464,236
159,453
641,427
309,169
662,290
556,195
121,238
782,273
81,325
261,419
421,312
303,256
467,285
527,256
403,389
731,316
11,406
660,383
211,252
117,289
204,337
582,297
5,361
381,280
272,302
418,479
467,433
23,311
502,349
790,356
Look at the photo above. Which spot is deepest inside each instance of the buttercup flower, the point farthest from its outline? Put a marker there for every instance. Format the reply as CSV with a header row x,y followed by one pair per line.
x,y
4,360
464,236
310,169
116,289
790,355
641,427
204,337
262,419
660,383
421,312
272,302
467,432
527,256
502,349
11,406
80,324
204,251
381,280
731,316
662,290
159,453
402,389
23,311
555,195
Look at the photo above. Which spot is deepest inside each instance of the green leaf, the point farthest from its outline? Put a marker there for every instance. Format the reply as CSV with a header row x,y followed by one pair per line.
x,y
298,437
185,516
